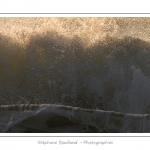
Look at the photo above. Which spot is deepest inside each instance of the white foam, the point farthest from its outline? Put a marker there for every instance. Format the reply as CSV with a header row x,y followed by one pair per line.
x,y
101,120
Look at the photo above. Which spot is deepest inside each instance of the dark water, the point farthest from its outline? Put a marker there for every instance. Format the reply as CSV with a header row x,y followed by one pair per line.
x,y
113,74
94,63
45,118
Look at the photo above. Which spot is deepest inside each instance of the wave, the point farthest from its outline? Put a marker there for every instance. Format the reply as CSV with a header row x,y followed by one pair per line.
x,y
58,118
95,72
113,74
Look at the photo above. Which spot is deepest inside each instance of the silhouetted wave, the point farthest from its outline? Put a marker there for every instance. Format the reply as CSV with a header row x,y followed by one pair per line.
x,y
113,74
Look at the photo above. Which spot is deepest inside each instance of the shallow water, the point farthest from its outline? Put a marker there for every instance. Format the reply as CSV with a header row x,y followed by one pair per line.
x,y
66,119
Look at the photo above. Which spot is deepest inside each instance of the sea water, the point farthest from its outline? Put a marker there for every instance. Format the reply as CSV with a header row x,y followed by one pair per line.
x,y
91,63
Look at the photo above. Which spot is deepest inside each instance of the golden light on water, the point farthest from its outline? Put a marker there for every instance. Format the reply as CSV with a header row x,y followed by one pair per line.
x,y
89,30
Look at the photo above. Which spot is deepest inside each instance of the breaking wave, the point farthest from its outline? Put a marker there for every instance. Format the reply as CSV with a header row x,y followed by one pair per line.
x,y
65,119
99,64
113,74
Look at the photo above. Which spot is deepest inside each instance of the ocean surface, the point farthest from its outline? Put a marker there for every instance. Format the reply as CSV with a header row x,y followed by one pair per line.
x,y
97,64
